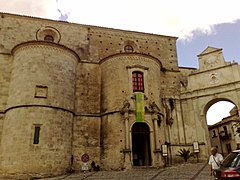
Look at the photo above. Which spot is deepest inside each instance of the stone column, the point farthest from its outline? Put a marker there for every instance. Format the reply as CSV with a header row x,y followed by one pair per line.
x,y
126,120
157,152
127,151
182,136
155,119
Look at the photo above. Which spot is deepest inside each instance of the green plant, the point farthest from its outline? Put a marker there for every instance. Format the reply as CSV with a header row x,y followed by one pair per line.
x,y
185,154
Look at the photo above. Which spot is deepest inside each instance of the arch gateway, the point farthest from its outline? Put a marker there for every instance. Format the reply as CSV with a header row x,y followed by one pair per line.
x,y
118,96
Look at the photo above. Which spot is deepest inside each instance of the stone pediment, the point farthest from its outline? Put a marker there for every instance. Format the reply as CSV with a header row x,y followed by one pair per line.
x,y
209,50
211,58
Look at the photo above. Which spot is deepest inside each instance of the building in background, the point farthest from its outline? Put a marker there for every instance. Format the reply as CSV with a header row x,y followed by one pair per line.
x,y
224,134
67,90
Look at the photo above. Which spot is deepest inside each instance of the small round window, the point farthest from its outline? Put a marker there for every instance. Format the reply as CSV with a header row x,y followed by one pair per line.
x,y
49,38
128,49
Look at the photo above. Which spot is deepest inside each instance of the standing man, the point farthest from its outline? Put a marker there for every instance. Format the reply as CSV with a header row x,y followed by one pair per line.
x,y
214,161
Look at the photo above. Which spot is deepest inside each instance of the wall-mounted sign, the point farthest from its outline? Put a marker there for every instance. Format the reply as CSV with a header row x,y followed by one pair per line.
x,y
164,150
195,147
85,158
85,166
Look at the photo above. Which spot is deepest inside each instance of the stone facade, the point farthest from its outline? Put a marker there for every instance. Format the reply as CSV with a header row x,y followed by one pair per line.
x,y
67,89
225,134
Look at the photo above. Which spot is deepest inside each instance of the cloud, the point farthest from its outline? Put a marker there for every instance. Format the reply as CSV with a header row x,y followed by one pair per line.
x,y
42,8
173,17
63,16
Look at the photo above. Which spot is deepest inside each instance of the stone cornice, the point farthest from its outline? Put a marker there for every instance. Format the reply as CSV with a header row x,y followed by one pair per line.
x,y
137,66
209,52
213,69
127,56
128,34
44,44
194,93
222,122
36,105
92,28
6,54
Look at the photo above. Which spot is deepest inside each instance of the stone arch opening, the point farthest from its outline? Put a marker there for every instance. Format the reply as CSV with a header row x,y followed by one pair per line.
x,y
221,115
218,109
141,144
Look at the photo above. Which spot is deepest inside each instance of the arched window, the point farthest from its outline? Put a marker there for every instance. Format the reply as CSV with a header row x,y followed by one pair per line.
x,y
49,38
137,81
128,49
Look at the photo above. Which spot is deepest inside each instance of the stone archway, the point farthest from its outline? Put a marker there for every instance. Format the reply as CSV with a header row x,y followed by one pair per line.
x,y
141,145
222,107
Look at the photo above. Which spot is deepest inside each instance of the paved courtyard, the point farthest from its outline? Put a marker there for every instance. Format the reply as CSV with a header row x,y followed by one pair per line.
x,y
197,171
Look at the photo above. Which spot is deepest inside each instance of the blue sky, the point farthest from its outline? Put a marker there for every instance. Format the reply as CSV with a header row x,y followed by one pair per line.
x,y
197,24
225,36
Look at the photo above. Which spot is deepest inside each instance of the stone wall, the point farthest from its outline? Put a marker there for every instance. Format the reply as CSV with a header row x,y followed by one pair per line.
x,y
51,156
5,73
86,140
74,87
42,94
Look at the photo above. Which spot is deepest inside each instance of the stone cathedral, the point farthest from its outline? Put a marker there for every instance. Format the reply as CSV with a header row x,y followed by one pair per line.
x,y
119,96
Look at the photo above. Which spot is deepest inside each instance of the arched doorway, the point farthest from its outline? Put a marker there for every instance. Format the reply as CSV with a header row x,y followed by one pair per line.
x,y
141,145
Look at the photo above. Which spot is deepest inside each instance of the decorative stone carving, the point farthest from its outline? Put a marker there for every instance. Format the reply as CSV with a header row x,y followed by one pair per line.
x,y
154,107
169,119
49,34
214,78
156,112
125,107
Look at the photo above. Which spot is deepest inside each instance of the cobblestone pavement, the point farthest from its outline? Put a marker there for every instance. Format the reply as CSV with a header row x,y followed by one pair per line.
x,y
197,171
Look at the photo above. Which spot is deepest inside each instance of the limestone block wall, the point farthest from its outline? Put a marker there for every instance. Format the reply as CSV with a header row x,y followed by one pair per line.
x,y
214,77
77,104
112,142
52,156
116,86
5,74
86,139
41,94
43,74
104,42
1,126
194,126
88,89
73,36
117,80
170,83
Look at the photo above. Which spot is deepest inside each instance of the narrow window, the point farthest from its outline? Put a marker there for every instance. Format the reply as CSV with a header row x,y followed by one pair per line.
x,y
36,135
214,133
225,129
137,81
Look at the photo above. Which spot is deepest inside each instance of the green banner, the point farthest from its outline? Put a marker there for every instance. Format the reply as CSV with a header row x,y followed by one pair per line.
x,y
140,109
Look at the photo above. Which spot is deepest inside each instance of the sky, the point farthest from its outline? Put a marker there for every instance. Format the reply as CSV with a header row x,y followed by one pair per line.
x,y
197,24
222,106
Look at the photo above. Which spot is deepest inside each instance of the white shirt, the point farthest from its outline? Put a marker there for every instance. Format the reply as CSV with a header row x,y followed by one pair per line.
x,y
218,158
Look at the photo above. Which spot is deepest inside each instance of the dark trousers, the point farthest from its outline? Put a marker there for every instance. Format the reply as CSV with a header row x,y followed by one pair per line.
x,y
217,173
